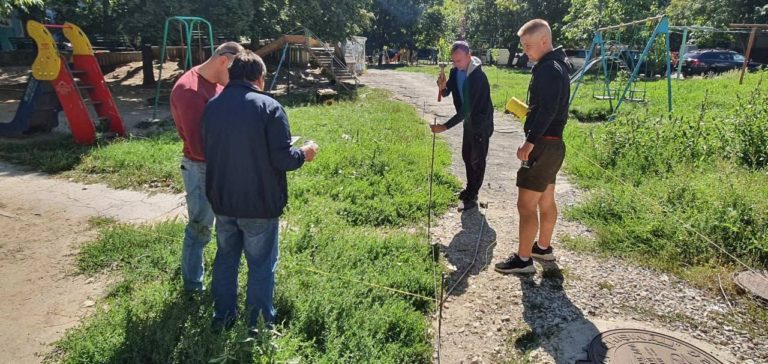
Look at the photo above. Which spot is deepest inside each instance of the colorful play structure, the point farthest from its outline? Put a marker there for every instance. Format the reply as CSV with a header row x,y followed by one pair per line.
x,y
193,29
57,84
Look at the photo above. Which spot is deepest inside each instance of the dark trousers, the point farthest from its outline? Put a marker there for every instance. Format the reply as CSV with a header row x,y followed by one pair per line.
x,y
474,150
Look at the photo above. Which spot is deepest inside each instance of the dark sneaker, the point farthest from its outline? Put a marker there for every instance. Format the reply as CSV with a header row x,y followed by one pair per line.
x,y
462,195
514,264
466,205
543,254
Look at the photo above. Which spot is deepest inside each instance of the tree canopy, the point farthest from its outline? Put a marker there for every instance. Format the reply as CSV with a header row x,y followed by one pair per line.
x,y
394,23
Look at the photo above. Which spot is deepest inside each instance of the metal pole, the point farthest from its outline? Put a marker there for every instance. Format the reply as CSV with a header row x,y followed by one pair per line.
x,y
162,63
431,174
662,27
624,25
288,69
606,75
748,55
681,53
669,71
598,36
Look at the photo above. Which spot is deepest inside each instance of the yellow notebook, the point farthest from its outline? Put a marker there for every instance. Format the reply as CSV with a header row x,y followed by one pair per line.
x,y
517,108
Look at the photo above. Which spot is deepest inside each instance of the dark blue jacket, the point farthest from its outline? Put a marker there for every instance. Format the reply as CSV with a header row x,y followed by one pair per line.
x,y
475,108
247,150
549,95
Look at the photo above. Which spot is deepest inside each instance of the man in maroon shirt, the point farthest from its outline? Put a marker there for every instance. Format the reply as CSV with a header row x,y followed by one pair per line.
x,y
189,96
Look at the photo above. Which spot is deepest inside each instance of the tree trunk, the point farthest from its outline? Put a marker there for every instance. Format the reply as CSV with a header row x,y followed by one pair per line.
x,y
146,58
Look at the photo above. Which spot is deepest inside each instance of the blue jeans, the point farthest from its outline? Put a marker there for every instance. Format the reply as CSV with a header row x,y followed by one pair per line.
x,y
258,239
198,231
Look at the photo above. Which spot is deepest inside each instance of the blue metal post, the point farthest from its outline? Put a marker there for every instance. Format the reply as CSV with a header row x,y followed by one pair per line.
x,y
661,28
598,39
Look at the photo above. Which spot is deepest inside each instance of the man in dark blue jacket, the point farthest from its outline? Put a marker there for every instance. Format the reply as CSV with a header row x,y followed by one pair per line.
x,y
472,99
248,151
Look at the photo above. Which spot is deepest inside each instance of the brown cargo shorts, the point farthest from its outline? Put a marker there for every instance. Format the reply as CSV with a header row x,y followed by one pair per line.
x,y
544,162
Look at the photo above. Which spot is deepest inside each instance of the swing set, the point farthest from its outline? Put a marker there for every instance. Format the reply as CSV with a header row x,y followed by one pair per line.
x,y
188,35
621,65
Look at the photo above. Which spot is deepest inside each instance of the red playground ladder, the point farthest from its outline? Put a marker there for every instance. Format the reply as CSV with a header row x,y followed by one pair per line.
x,y
82,84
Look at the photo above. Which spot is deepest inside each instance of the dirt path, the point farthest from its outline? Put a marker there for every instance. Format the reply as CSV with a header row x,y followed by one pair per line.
x,y
43,221
490,317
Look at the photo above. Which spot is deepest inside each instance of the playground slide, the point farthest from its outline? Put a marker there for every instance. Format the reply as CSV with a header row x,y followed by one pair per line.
x,y
38,110
278,44
575,77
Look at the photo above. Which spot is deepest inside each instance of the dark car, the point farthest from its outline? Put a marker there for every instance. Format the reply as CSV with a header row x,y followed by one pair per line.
x,y
713,60
576,58
427,54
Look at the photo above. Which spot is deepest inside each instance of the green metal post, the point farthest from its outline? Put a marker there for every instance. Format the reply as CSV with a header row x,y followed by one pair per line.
x,y
669,71
606,75
188,22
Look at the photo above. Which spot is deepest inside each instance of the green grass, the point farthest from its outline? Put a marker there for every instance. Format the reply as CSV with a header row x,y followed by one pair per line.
x,y
149,163
378,159
668,190
687,95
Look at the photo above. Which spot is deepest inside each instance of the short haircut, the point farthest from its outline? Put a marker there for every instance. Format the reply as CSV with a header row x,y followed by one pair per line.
x,y
460,45
247,66
534,26
232,48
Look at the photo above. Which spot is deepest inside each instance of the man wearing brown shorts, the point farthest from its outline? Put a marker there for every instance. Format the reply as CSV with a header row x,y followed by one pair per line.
x,y
543,151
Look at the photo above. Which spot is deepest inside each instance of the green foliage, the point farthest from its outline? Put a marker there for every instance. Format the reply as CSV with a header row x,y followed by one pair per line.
x,y
701,176
230,18
400,23
430,28
7,6
443,50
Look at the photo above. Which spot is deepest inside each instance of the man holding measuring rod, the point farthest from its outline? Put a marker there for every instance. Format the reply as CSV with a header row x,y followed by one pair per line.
x,y
543,151
472,99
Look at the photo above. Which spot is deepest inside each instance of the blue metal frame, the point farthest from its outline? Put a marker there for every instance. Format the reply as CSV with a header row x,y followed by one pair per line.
x,y
34,111
662,28
189,23
277,73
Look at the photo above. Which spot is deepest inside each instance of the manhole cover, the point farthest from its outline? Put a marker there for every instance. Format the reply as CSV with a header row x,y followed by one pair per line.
x,y
633,346
755,283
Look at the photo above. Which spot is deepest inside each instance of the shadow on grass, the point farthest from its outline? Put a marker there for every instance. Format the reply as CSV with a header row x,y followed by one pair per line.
x,y
308,97
45,153
56,153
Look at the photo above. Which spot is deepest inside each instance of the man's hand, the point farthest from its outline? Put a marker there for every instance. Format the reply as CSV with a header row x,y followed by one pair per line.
x,y
442,82
524,151
310,151
438,128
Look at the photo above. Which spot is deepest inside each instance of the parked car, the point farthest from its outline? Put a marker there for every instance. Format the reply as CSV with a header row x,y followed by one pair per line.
x,y
521,61
427,54
576,58
714,60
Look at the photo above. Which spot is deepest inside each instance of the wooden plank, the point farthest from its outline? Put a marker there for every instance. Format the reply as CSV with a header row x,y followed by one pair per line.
x,y
748,55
